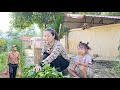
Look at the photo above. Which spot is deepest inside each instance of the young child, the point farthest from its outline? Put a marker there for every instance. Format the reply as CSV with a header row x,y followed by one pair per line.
x,y
82,62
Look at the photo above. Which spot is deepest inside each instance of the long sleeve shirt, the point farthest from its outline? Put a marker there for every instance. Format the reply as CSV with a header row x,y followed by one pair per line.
x,y
56,50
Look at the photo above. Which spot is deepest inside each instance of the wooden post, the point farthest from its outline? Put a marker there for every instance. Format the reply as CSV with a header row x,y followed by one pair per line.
x,y
37,55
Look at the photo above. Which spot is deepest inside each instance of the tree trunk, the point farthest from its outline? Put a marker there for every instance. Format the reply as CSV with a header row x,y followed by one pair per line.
x,y
66,42
37,55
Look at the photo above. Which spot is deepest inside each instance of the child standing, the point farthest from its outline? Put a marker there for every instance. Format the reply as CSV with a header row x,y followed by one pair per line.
x,y
82,63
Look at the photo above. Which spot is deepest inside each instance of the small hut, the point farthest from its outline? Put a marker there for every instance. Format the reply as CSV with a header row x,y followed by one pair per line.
x,y
102,32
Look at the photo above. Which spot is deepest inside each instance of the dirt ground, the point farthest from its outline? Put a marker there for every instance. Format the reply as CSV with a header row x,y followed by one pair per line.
x,y
101,69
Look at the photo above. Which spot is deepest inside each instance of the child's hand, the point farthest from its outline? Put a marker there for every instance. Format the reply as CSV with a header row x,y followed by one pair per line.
x,y
72,68
78,62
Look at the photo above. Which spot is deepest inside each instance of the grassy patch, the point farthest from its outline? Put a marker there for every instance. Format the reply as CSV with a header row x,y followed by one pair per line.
x,y
3,57
116,68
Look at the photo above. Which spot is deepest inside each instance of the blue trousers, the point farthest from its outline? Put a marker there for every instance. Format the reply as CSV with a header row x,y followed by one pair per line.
x,y
12,70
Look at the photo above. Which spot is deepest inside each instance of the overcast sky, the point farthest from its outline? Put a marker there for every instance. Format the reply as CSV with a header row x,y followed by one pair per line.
x,y
4,21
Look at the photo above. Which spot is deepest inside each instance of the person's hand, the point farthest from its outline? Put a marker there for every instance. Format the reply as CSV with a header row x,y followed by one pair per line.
x,y
37,68
78,62
71,68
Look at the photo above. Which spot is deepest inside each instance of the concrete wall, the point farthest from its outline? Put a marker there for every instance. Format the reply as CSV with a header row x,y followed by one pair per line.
x,y
103,40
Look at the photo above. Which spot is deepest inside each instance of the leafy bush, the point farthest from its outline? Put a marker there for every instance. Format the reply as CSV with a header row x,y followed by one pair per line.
x,y
46,72
3,58
116,66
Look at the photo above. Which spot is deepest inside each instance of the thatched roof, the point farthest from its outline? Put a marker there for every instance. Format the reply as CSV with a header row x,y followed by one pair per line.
x,y
86,21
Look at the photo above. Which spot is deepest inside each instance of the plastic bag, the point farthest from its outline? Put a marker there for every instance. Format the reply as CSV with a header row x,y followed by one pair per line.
x,y
6,71
19,73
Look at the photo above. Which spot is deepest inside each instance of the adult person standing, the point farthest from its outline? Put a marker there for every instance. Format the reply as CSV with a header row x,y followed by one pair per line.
x,y
13,61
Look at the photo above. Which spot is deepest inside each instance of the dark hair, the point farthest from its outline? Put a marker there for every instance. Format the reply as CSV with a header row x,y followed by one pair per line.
x,y
84,45
53,32
14,46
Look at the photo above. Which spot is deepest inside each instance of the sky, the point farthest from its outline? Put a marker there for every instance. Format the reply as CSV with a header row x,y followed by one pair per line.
x,y
4,21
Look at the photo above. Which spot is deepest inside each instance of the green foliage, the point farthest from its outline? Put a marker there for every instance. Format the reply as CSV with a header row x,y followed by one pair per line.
x,y
2,42
46,72
62,32
119,48
22,20
3,58
110,13
99,13
57,25
3,46
116,66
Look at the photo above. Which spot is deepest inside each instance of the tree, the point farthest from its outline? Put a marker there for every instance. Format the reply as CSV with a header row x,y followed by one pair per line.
x,y
2,42
2,45
102,13
57,25
110,13
22,20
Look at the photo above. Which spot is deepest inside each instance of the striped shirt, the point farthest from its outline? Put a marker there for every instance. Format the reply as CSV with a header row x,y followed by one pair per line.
x,y
56,50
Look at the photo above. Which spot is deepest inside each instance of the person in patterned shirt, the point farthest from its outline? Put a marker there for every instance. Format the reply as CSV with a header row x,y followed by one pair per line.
x,y
53,52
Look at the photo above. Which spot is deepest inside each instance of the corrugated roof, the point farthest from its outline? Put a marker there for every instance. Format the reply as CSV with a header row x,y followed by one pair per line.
x,y
79,16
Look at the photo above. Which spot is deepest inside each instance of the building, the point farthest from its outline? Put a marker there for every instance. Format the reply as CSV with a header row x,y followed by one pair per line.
x,y
26,41
102,33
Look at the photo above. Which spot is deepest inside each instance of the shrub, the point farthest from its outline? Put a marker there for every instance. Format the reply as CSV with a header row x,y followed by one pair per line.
x,y
46,72
116,66
3,57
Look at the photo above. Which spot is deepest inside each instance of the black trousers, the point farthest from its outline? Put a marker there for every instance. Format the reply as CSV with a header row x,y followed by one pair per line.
x,y
12,70
59,63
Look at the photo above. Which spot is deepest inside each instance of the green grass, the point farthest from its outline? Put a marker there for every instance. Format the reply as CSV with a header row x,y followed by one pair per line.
x,y
3,57
116,68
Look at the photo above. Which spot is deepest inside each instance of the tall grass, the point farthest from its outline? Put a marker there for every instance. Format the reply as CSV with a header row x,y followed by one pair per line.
x,y
3,57
116,66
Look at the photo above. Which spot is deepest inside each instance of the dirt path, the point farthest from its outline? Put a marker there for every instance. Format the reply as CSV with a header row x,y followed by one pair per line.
x,y
29,60
3,76
101,69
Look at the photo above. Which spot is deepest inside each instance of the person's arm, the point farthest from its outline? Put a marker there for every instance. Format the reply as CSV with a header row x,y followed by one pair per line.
x,y
54,54
19,59
74,66
43,49
75,62
84,64
87,61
